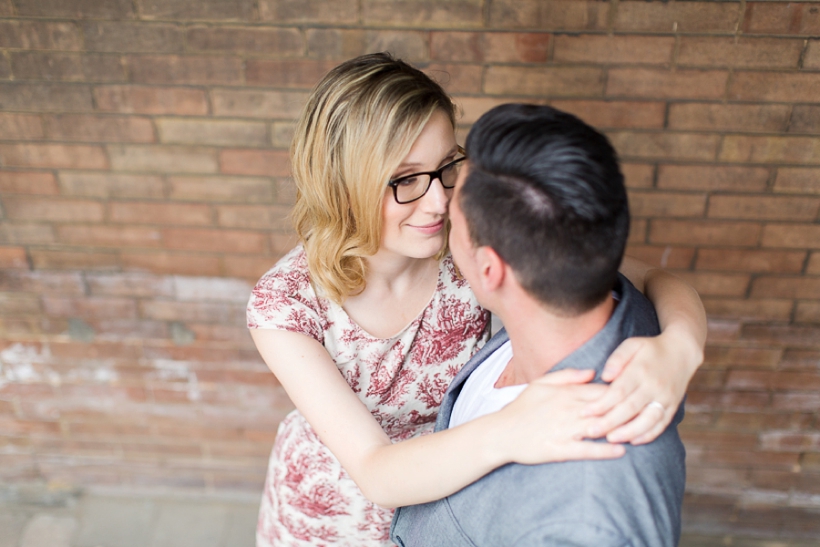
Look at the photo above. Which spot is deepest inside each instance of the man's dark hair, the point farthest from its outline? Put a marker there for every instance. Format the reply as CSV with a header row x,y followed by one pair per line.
x,y
544,190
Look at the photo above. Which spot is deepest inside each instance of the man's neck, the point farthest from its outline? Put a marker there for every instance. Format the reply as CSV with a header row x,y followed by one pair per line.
x,y
541,338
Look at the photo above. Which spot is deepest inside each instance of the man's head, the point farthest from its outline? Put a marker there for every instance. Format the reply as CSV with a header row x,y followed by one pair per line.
x,y
544,191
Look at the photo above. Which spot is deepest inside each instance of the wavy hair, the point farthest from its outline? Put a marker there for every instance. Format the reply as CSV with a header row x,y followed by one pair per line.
x,y
358,125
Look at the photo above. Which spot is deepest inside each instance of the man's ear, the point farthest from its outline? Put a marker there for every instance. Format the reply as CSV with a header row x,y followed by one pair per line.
x,y
491,268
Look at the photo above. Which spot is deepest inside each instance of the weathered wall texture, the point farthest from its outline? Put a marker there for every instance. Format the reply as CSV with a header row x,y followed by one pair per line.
x,y
143,182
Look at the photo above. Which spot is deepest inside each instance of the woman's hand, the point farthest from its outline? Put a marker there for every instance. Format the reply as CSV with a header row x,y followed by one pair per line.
x,y
544,423
649,378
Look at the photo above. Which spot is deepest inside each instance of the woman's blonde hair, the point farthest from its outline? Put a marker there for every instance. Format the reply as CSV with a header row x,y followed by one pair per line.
x,y
358,125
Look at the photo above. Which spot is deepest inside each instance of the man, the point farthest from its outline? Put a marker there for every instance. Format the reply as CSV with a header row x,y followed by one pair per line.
x,y
539,225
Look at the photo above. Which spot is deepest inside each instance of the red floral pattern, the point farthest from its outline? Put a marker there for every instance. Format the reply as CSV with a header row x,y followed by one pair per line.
x,y
309,499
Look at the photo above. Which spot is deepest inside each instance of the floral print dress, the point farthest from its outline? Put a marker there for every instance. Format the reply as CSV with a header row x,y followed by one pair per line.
x,y
308,498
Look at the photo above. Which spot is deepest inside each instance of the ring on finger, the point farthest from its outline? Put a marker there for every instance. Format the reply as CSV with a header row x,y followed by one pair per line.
x,y
656,404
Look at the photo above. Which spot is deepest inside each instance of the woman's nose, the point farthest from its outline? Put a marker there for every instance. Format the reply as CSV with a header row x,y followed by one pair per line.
x,y
437,196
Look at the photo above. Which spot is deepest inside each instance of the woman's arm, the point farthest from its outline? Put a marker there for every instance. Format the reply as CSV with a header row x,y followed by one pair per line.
x,y
659,368
540,425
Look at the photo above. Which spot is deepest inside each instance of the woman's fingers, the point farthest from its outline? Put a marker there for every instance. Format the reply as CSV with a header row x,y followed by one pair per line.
x,y
615,395
652,417
619,358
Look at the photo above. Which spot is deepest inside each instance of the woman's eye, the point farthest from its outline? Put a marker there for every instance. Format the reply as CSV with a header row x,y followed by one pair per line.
x,y
408,181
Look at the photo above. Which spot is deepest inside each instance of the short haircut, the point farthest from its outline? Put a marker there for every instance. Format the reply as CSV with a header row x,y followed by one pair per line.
x,y
358,125
544,190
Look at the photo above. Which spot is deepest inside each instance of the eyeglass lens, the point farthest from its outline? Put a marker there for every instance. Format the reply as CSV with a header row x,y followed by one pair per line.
x,y
413,187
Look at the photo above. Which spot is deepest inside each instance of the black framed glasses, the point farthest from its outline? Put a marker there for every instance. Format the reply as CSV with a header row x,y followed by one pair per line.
x,y
409,188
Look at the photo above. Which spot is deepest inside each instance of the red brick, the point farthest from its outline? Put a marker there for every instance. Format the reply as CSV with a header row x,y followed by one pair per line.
x,y
286,73
793,236
777,381
53,155
753,458
254,217
764,208
110,185
783,334
19,304
129,284
550,81
813,267
90,307
638,175
707,379
678,146
712,177
73,260
728,117
796,401
171,263
459,46
67,66
339,44
53,210
753,401
309,11
774,86
64,283
40,35
729,357
188,239
160,213
637,231
720,439
110,236
412,46
13,257
740,52
776,18
580,15
209,10
40,97
175,69
805,118
151,100
21,127
807,312
281,42
620,49
199,312
458,13
812,56
756,421
271,163
616,114
5,68
162,158
283,243
222,189
84,128
132,37
517,47
27,182
751,260
748,149
247,267
257,104
26,234
456,78
211,132
797,180
79,9
654,83
679,258
714,17
666,204
709,233
799,359
787,287
750,310
715,284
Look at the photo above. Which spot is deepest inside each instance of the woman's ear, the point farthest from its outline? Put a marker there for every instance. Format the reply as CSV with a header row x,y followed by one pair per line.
x,y
491,269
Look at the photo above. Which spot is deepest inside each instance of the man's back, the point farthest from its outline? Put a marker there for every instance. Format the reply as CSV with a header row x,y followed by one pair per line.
x,y
631,501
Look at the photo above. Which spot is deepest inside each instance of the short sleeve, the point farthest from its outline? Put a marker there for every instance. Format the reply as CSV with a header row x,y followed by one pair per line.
x,y
284,299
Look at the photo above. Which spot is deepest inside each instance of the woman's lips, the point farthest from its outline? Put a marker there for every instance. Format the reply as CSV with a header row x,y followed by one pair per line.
x,y
430,228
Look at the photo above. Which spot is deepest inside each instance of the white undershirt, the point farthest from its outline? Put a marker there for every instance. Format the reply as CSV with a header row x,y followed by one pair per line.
x,y
478,396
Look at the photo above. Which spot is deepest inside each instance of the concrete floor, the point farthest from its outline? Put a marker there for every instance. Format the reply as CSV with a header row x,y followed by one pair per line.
x,y
119,519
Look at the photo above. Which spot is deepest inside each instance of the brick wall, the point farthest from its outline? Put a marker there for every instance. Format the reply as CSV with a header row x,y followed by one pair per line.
x,y
143,182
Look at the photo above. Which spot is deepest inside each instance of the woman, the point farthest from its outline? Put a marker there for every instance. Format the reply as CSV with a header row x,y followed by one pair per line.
x,y
367,321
